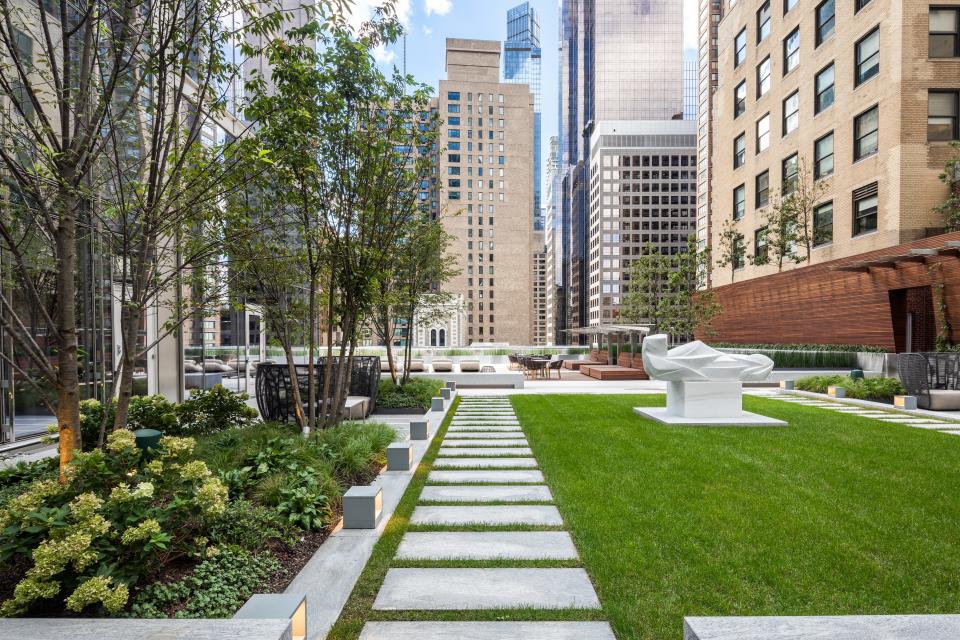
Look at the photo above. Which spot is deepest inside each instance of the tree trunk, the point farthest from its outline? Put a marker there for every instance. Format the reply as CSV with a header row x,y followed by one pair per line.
x,y
127,359
390,364
311,347
295,387
328,364
68,387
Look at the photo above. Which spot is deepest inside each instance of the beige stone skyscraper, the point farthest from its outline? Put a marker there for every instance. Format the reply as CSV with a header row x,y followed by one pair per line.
x,y
486,199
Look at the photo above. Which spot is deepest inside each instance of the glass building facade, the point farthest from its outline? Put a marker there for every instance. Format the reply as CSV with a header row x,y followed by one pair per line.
x,y
522,62
620,60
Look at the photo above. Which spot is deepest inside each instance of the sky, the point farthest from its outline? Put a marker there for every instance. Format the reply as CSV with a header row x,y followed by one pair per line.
x,y
429,22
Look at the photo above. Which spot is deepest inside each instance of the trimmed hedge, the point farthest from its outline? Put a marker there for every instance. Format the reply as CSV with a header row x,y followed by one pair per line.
x,y
859,389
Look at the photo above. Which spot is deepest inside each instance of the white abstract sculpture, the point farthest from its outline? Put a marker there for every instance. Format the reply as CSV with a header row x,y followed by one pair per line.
x,y
696,361
704,386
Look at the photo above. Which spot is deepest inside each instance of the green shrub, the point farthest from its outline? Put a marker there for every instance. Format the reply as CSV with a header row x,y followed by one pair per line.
x,y
15,479
250,526
216,588
416,394
115,521
211,410
145,412
859,389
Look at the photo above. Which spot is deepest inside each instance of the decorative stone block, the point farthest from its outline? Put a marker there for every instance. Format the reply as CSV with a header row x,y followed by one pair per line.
x,y
436,404
836,392
281,606
399,456
905,402
446,394
450,384
705,399
419,429
788,385
362,507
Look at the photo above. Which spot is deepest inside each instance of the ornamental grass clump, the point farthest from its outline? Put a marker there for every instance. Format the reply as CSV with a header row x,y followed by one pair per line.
x,y
116,520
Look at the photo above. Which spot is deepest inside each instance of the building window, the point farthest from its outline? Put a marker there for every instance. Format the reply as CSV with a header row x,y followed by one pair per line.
x,y
823,86
865,209
453,95
763,77
868,57
942,112
791,113
790,170
739,202
860,4
763,133
791,51
763,190
823,224
788,5
866,133
826,21
763,21
739,150
740,48
453,108
760,243
823,156
944,32
740,99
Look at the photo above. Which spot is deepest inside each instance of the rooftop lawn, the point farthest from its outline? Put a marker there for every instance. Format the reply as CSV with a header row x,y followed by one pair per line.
x,y
835,515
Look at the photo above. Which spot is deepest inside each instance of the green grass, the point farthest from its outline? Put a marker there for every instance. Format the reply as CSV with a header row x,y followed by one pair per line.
x,y
834,515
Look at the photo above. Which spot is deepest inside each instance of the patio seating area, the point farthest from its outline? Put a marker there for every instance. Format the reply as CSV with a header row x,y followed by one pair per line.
x,y
933,378
274,388
536,366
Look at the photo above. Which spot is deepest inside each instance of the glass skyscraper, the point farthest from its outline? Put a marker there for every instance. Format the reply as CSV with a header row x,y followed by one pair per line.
x,y
522,65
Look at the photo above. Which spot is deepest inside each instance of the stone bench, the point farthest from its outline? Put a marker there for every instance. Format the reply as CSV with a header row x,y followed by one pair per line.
x,y
905,627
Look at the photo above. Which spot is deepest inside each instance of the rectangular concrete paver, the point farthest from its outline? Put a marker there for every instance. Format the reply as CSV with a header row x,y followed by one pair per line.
x,y
487,631
510,514
508,493
502,442
485,451
486,463
478,589
492,477
459,429
486,435
487,545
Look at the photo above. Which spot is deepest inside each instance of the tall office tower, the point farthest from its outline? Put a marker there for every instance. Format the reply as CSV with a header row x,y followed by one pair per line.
x,y
554,246
621,61
522,65
690,84
485,169
708,18
854,103
539,271
642,194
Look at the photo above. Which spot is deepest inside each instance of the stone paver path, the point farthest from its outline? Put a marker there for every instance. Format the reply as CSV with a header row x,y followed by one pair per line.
x,y
486,502
916,420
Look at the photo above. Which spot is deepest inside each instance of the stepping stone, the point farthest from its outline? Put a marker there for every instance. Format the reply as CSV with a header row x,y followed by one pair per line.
x,y
936,426
470,463
486,451
488,435
487,545
478,589
534,514
493,477
510,493
473,428
512,442
951,432
487,631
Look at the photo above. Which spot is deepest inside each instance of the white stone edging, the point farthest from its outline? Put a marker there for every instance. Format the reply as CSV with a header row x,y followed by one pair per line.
x,y
869,404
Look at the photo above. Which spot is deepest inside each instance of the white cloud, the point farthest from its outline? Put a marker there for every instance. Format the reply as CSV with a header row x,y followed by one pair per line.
x,y
362,10
427,30
439,7
382,56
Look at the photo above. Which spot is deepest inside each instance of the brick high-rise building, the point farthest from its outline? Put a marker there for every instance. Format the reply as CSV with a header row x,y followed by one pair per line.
x,y
862,98
487,153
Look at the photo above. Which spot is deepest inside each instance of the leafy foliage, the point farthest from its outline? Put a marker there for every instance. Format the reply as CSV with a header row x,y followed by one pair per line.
x,y
214,589
860,389
415,394
949,209
211,410
15,479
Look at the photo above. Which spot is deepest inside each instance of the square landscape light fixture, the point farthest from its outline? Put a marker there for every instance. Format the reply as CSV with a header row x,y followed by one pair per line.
x,y
278,606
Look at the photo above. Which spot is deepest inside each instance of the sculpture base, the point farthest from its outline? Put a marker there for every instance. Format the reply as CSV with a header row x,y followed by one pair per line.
x,y
745,419
707,403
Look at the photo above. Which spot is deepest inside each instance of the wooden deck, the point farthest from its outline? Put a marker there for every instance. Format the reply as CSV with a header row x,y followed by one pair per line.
x,y
576,364
613,372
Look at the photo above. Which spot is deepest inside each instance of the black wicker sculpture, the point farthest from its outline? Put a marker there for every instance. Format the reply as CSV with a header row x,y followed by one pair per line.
x,y
275,391
914,372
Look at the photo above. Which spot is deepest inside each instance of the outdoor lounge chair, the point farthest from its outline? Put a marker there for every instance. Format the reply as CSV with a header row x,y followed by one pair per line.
x,y
442,366
919,376
416,366
469,366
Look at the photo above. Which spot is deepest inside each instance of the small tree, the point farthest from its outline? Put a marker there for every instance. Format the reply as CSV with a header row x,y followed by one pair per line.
x,y
733,248
949,210
649,275
799,204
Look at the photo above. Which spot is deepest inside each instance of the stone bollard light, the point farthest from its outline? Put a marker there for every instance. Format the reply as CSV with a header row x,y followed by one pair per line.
x,y
399,456
419,429
362,507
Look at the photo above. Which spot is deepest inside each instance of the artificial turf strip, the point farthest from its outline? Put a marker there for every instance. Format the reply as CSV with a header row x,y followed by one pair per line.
x,y
836,514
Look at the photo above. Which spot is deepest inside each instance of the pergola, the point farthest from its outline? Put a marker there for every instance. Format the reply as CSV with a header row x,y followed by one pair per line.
x,y
609,331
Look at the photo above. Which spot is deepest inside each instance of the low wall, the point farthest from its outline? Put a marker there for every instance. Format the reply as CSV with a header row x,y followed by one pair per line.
x,y
136,629
907,627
